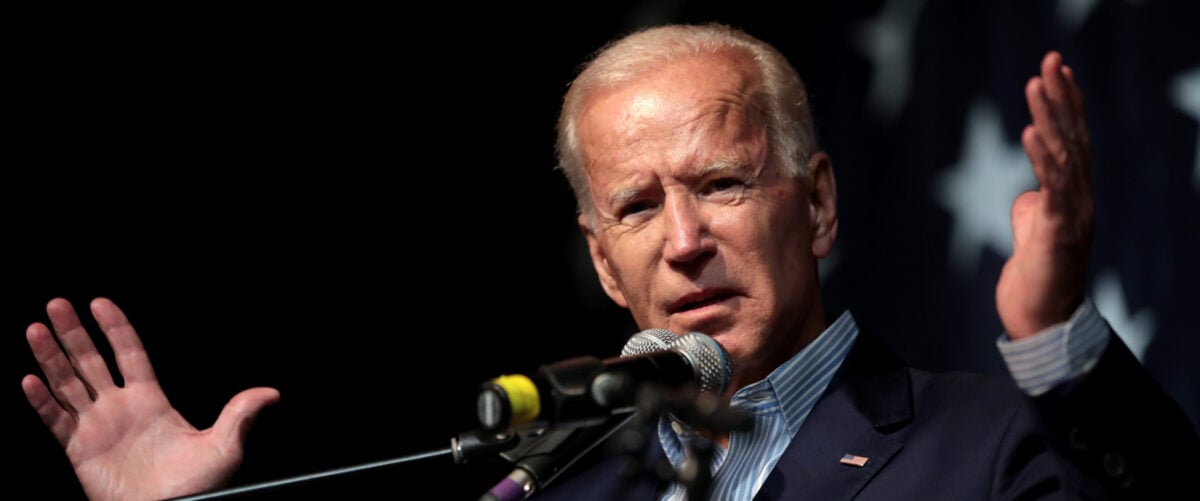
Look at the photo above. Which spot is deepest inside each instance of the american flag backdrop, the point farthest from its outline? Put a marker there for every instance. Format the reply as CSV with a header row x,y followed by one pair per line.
x,y
359,207
921,105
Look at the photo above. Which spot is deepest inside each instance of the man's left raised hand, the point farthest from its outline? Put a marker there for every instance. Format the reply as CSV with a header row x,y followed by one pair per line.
x,y
1042,284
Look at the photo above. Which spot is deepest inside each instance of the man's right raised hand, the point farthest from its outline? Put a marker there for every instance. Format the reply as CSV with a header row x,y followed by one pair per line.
x,y
127,442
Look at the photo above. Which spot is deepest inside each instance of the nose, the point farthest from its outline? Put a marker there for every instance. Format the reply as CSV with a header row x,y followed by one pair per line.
x,y
687,237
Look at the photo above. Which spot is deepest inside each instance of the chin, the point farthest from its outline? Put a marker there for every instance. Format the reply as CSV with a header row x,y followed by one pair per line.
x,y
736,350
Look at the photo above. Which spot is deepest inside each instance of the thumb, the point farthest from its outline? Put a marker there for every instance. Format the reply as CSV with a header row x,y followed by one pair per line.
x,y
1022,209
234,422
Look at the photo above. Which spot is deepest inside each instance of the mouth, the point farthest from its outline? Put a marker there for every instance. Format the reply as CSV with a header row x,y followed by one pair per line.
x,y
698,300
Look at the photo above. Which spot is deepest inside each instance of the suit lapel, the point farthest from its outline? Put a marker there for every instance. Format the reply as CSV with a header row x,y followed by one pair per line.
x,y
868,398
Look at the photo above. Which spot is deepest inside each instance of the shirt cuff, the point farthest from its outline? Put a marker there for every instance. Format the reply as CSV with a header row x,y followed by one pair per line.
x,y
1058,353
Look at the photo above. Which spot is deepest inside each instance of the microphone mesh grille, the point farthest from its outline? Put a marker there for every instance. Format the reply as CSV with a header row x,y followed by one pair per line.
x,y
648,341
709,359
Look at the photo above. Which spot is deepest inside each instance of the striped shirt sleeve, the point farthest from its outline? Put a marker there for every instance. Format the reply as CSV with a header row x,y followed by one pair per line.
x,y
1059,353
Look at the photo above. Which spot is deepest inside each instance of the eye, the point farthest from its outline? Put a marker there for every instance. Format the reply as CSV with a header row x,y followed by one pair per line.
x,y
634,208
723,184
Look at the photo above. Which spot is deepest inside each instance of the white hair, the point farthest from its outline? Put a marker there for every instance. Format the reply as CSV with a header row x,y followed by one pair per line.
x,y
781,96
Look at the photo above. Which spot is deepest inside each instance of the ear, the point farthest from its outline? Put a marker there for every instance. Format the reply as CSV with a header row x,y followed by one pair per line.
x,y
608,280
822,204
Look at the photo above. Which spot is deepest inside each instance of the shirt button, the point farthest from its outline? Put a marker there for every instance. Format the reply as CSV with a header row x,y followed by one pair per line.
x,y
677,427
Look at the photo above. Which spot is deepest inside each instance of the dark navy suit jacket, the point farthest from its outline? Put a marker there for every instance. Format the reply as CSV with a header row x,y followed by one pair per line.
x,y
1110,434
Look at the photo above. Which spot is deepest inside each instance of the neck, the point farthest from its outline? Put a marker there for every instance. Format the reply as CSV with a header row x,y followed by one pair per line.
x,y
811,325
806,328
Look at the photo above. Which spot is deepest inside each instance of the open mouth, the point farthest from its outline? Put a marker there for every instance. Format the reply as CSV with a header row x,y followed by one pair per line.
x,y
700,301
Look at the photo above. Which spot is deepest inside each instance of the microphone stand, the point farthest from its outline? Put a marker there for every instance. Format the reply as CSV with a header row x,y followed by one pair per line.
x,y
463,448
541,461
703,411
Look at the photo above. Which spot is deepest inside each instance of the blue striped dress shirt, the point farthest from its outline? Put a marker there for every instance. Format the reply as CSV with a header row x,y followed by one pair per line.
x,y
780,403
1057,354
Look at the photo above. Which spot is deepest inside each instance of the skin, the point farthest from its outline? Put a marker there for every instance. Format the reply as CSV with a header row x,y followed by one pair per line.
x,y
1043,282
697,230
692,208
128,442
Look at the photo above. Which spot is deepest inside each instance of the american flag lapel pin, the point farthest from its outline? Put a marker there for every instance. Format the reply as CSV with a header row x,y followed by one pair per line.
x,y
852,460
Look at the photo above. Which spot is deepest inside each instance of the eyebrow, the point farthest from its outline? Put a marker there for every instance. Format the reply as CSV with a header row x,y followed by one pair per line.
x,y
623,196
723,164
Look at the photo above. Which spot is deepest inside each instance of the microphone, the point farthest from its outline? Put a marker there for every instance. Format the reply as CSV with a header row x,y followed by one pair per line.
x,y
647,341
588,390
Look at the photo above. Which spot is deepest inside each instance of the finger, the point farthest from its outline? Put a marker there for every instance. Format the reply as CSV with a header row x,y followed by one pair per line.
x,y
1051,179
1056,84
63,381
1045,122
1082,141
78,345
127,346
239,414
1075,94
57,420
1049,176
1051,73
1061,95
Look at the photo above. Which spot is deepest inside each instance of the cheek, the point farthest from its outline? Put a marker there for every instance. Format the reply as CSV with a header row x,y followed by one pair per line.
x,y
631,266
635,285
773,230
781,246
796,252
790,224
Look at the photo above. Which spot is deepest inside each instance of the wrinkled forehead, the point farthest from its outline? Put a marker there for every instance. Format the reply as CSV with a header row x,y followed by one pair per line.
x,y
677,97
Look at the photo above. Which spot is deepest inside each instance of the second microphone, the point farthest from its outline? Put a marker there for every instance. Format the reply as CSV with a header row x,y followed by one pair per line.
x,y
584,390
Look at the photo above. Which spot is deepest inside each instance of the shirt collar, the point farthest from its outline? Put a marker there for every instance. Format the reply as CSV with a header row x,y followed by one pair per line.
x,y
795,386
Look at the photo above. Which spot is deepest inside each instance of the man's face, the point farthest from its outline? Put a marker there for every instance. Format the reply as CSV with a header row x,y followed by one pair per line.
x,y
697,228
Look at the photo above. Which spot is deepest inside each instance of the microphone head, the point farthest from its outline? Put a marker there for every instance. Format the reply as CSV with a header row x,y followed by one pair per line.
x,y
708,358
649,341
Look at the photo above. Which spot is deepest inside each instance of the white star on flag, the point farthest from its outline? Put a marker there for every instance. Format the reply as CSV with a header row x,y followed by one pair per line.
x,y
1185,95
1073,13
887,41
979,190
1135,329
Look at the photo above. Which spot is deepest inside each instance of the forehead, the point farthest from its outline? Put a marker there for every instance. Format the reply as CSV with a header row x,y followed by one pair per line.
x,y
707,95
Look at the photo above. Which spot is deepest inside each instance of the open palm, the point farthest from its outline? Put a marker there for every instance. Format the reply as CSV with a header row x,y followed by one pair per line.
x,y
127,442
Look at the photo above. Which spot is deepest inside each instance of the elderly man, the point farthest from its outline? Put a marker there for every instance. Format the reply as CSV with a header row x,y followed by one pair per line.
x,y
706,204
